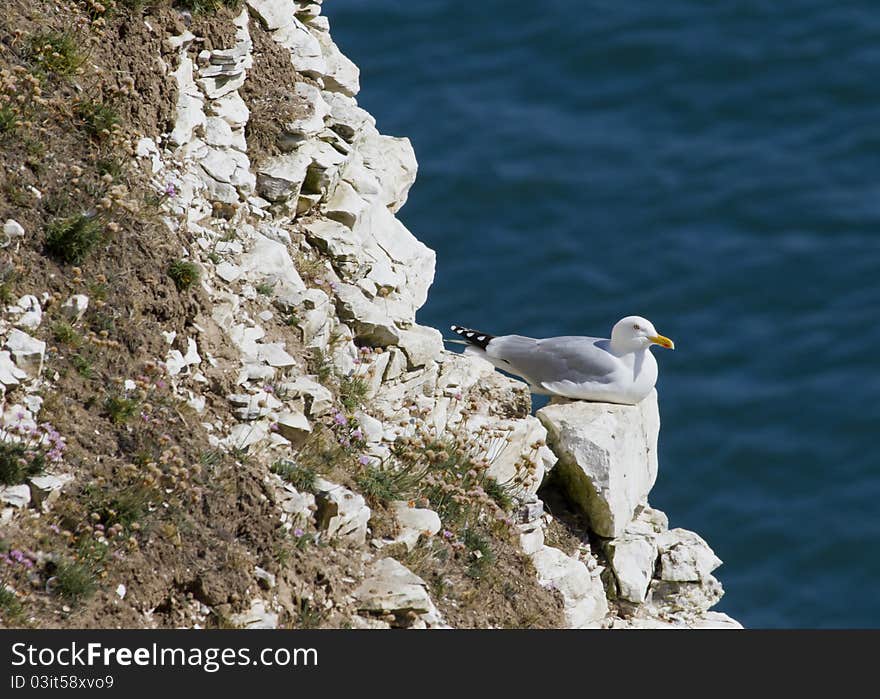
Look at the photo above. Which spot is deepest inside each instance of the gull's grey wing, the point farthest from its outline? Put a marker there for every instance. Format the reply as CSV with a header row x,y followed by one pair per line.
x,y
554,359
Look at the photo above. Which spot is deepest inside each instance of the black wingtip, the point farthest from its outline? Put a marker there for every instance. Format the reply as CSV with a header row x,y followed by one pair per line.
x,y
474,337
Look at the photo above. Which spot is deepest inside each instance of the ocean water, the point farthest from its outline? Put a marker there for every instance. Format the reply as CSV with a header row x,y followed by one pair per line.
x,y
714,167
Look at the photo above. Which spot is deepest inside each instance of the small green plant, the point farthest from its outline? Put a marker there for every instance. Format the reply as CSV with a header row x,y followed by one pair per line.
x,y
74,582
98,118
7,278
83,366
120,410
480,553
26,449
353,391
320,364
383,486
124,505
10,607
309,616
18,463
114,166
71,239
54,52
64,333
8,119
265,288
184,274
300,477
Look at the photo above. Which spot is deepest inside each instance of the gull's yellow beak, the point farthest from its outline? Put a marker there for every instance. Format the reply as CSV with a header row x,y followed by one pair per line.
x,y
662,341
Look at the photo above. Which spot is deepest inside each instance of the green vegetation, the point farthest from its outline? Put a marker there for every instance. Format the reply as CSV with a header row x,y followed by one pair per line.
x,y
120,410
10,607
184,274
71,239
98,118
64,333
74,582
18,462
353,391
265,288
54,52
300,477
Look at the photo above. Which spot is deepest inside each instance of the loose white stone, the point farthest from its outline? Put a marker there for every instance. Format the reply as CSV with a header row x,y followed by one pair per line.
x,y
392,588
120,591
583,595
280,177
414,522
685,556
75,307
318,399
274,14
293,425
228,272
15,495
12,229
27,351
341,513
257,617
47,488
30,312
10,374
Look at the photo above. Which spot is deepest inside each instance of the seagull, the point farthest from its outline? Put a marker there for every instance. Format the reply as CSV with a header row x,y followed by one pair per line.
x,y
619,370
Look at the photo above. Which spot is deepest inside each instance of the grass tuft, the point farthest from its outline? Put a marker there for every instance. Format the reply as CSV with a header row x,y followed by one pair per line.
x,y
184,274
71,239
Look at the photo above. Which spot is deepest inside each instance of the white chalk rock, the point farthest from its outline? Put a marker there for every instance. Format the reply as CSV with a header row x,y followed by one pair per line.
x,y
583,595
29,311
309,112
75,307
393,161
341,513
686,599
15,495
607,457
392,588
346,117
340,73
257,617
318,399
269,261
415,522
421,345
10,374
274,14
685,556
293,425
46,489
12,229
280,177
27,351
305,50
632,557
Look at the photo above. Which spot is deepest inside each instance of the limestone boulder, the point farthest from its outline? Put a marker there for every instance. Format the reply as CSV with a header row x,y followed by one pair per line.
x,y
341,514
583,595
390,588
607,457
685,556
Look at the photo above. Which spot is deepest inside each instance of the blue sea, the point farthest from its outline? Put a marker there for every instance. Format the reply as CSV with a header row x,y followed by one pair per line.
x,y
713,166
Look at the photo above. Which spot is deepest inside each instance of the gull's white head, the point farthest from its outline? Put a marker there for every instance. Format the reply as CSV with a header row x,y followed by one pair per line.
x,y
634,333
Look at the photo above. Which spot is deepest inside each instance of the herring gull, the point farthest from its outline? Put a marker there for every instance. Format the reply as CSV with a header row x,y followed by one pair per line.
x,y
619,370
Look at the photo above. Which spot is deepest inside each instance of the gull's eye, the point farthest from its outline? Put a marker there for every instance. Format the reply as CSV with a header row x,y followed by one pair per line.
x,y
637,327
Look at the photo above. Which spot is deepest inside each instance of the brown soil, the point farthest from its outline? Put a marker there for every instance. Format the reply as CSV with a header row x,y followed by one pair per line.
x,y
502,594
268,94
